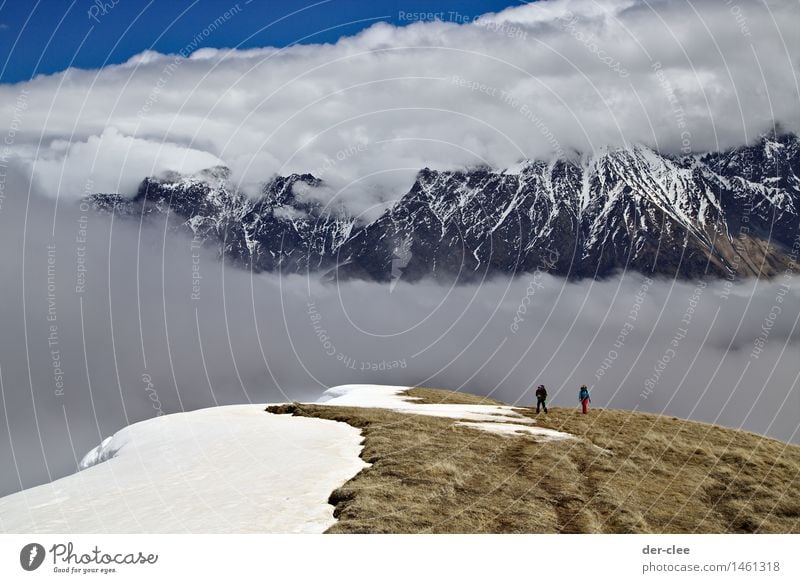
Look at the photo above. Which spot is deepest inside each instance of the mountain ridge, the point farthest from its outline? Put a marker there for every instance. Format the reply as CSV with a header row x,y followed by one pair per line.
x,y
725,215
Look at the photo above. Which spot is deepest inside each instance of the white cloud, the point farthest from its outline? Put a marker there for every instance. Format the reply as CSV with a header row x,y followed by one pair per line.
x,y
538,78
113,162
143,326
146,321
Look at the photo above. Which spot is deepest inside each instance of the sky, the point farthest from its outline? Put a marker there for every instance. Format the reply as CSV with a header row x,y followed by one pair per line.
x,y
47,36
366,108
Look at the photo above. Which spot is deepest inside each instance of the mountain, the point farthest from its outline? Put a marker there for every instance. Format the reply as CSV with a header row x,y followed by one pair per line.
x,y
381,459
721,214
278,231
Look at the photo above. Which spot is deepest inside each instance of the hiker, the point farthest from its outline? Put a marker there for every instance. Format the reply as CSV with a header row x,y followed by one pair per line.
x,y
541,398
583,397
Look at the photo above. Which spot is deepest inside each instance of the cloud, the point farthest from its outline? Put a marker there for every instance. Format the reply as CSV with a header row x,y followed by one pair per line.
x,y
105,324
548,76
115,163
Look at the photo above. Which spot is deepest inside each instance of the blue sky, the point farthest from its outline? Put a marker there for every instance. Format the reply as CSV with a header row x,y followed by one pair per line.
x,y
47,36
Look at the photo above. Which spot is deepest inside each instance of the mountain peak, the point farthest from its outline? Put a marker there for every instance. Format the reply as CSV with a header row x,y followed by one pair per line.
x,y
619,208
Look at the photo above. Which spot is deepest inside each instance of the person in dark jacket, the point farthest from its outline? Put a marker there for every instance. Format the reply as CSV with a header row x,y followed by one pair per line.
x,y
541,398
583,397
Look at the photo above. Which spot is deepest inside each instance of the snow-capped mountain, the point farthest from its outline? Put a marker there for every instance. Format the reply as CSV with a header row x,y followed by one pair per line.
x,y
278,231
715,214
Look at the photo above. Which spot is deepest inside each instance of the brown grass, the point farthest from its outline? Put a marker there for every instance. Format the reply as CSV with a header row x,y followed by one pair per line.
x,y
425,395
626,472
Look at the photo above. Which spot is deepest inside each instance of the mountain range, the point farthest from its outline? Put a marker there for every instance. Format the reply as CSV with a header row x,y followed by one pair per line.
x,y
719,214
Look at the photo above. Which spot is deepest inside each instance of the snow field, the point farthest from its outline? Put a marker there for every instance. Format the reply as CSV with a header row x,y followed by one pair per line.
x,y
225,469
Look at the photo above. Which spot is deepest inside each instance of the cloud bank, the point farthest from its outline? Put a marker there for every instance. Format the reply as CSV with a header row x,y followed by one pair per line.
x,y
106,324
370,110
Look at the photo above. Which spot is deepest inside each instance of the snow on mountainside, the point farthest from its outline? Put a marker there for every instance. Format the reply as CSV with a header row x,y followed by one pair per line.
x,y
228,469
369,458
726,214
500,419
225,469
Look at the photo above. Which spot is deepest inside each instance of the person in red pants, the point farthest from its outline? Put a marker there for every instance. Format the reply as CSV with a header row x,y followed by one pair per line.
x,y
583,397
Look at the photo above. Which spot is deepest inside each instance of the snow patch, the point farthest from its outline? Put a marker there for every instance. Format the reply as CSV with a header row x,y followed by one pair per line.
x,y
105,451
289,212
221,470
516,429
516,169
492,418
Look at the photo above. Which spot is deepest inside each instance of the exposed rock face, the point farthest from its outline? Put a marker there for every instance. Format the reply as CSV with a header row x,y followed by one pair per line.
x,y
717,215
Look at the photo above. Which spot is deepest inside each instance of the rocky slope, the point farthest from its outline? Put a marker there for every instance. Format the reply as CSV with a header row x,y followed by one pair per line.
x,y
725,214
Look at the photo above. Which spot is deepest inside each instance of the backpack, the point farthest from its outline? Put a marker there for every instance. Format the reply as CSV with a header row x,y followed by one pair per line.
x,y
541,393
583,394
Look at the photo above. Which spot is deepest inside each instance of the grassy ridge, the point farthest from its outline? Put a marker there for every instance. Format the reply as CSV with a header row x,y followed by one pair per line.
x,y
624,472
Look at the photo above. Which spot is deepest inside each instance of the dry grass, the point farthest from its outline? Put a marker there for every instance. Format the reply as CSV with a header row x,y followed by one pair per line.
x,y
437,396
627,472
